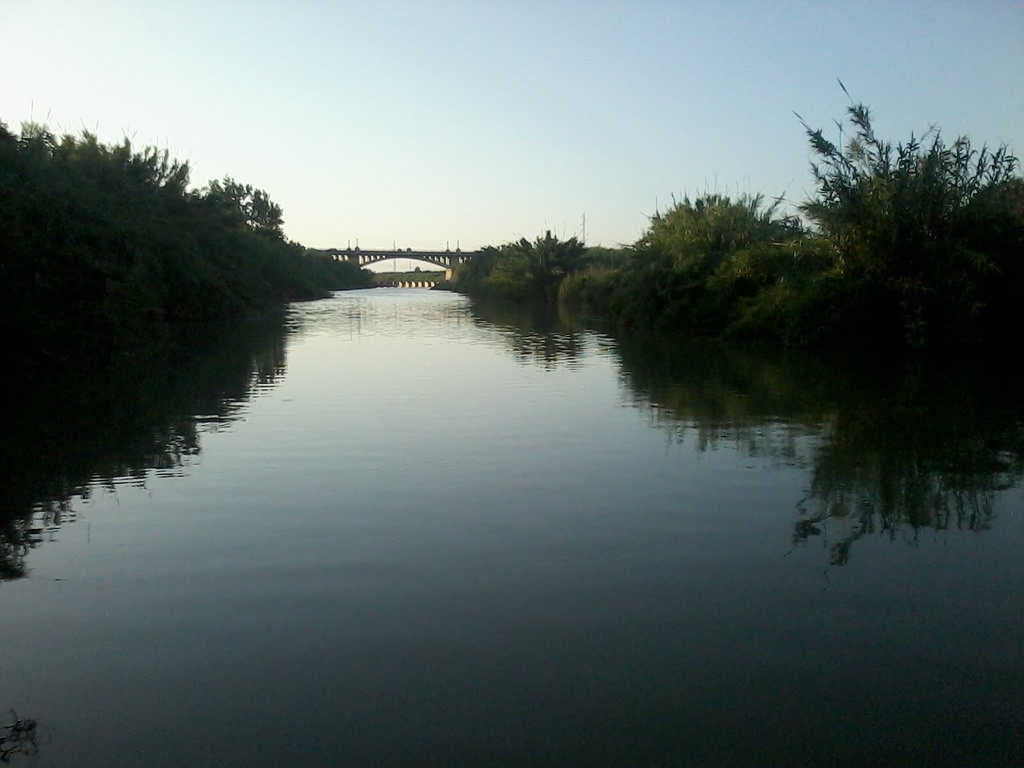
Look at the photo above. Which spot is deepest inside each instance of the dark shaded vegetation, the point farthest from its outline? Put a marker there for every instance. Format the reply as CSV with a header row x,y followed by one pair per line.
x,y
932,233
928,446
104,249
917,244
92,426
520,271
692,266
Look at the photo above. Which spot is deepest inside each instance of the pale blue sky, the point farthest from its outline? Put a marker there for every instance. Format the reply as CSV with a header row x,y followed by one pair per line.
x,y
424,122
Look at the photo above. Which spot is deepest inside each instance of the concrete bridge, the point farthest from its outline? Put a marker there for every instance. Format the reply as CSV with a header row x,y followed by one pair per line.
x,y
448,259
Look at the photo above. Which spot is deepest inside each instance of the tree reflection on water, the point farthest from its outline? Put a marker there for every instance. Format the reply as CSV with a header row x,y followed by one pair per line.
x,y
536,334
73,431
891,447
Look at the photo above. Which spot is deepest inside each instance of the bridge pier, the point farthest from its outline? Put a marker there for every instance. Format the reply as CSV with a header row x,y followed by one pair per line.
x,y
411,284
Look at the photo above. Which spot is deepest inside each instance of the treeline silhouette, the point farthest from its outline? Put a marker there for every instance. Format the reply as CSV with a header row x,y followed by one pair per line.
x,y
119,423
104,248
915,244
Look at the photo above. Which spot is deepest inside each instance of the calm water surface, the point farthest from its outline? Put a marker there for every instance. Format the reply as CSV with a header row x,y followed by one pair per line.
x,y
395,528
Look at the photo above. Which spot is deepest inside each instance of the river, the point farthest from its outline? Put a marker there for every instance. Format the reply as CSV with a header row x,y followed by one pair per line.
x,y
397,528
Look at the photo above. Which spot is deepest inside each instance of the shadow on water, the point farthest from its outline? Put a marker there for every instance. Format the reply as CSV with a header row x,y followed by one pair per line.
x,y
83,427
891,447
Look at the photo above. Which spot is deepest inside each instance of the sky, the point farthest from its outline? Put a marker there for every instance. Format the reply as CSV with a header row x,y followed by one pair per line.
x,y
432,124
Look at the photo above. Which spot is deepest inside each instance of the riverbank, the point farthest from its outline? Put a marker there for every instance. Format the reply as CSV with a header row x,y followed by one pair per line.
x,y
105,249
909,245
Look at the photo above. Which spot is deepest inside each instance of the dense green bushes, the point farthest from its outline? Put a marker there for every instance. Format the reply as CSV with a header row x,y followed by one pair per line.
x,y
695,263
521,270
914,244
935,230
104,248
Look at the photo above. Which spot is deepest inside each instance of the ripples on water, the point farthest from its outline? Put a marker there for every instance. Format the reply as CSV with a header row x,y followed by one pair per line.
x,y
397,527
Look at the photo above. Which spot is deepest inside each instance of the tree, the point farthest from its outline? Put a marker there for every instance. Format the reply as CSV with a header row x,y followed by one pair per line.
x,y
522,270
549,260
253,206
695,236
914,222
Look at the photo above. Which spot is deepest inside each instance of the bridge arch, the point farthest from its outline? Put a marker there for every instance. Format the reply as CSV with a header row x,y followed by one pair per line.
x,y
446,259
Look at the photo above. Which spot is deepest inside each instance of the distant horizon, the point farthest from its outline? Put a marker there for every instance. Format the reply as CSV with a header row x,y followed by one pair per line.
x,y
420,125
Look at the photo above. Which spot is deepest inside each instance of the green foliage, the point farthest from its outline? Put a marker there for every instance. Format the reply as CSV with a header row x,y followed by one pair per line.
x,y
694,238
104,248
252,207
692,266
592,289
521,270
916,244
607,258
934,228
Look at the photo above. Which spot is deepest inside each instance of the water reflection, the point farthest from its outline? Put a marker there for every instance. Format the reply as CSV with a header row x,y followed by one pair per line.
x,y
384,312
536,334
65,434
891,447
